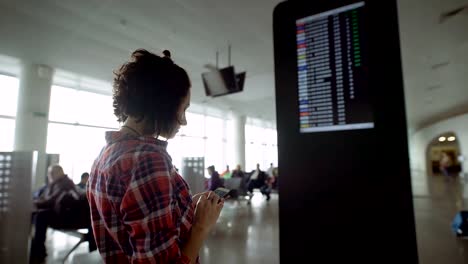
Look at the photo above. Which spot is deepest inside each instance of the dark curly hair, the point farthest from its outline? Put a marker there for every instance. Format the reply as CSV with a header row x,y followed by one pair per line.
x,y
150,87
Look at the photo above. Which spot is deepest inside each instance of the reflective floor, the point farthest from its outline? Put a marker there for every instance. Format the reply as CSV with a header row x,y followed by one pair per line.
x,y
244,234
436,202
249,233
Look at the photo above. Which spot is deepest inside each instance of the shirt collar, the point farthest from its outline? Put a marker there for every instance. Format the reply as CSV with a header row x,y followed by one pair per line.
x,y
117,136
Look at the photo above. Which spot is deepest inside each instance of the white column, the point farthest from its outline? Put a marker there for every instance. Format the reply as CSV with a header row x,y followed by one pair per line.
x,y
33,114
239,139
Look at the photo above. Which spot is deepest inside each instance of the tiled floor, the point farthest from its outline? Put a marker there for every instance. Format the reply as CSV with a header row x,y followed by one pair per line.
x,y
436,202
244,234
249,233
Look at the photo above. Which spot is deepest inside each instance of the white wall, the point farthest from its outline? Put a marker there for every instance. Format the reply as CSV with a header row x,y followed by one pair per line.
x,y
421,138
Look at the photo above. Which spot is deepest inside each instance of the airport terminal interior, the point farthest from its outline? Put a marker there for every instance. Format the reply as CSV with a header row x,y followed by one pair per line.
x,y
57,60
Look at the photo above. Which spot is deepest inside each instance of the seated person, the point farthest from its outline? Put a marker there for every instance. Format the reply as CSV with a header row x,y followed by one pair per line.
x,y
238,173
215,181
275,182
227,173
39,192
270,170
257,180
84,180
48,206
266,189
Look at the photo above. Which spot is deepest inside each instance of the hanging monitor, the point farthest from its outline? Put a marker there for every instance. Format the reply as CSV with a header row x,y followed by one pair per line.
x,y
224,81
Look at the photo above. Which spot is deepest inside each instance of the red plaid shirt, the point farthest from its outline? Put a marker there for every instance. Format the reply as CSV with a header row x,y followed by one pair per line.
x,y
141,208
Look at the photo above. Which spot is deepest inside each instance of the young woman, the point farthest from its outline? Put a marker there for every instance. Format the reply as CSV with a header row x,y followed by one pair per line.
x,y
141,208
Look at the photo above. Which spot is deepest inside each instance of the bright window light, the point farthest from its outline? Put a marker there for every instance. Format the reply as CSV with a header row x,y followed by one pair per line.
x,y
7,134
78,120
260,147
78,146
74,106
9,87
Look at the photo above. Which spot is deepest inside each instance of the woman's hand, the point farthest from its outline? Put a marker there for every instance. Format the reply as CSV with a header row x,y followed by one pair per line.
x,y
197,196
207,211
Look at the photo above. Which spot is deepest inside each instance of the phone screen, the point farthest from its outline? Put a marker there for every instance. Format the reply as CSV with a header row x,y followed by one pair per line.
x,y
222,192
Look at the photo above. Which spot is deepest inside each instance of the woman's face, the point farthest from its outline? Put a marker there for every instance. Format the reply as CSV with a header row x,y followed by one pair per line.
x,y
181,119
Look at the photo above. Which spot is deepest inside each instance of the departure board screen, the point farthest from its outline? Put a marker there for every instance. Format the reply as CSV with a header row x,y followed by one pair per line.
x,y
332,71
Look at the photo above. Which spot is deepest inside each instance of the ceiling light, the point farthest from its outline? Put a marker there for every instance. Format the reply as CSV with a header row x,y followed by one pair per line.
x,y
442,139
433,87
440,65
451,138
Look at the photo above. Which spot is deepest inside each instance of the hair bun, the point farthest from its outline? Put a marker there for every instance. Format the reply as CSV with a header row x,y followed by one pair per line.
x,y
167,54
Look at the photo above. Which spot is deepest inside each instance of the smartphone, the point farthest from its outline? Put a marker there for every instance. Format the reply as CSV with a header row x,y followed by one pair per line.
x,y
222,192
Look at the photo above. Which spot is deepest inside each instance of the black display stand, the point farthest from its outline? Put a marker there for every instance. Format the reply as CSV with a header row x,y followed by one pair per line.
x,y
345,188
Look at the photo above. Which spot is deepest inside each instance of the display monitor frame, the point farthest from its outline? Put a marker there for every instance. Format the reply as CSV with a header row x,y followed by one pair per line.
x,y
346,194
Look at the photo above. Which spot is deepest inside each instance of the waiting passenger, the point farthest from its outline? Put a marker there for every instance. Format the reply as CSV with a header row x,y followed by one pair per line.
x,y
49,205
275,175
445,163
238,173
226,174
257,180
268,187
215,181
270,170
84,180
38,193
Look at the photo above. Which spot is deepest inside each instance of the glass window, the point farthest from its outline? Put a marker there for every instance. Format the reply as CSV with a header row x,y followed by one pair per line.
x,y
252,156
96,109
63,105
251,150
271,147
214,154
9,87
73,106
192,147
195,125
185,147
215,149
175,149
78,147
7,134
204,136
229,144
261,147
214,127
